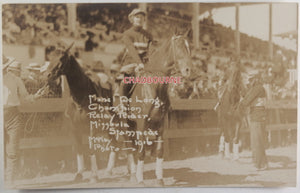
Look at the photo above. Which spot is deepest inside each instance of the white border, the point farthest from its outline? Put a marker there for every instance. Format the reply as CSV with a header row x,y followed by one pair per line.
x,y
150,190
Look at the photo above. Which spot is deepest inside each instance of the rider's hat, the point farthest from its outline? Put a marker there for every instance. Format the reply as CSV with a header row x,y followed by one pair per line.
x,y
135,12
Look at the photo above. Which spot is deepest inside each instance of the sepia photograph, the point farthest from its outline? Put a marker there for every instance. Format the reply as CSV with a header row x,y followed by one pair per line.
x,y
140,94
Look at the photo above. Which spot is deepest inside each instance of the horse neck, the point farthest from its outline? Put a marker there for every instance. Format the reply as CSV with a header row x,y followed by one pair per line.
x,y
80,85
161,58
234,87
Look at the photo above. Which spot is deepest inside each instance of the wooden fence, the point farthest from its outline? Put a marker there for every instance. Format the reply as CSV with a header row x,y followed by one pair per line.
x,y
186,119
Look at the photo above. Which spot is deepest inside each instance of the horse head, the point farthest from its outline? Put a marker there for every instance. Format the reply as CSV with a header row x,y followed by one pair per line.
x,y
59,65
180,55
173,56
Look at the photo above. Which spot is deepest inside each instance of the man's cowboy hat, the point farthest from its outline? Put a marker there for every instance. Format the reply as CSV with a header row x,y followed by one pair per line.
x,y
15,65
7,61
34,66
135,12
98,66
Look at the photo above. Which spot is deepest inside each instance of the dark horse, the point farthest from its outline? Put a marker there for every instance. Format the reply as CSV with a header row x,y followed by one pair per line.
x,y
229,122
172,57
82,87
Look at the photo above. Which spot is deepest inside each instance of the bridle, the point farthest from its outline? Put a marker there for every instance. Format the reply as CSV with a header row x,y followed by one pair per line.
x,y
46,85
174,49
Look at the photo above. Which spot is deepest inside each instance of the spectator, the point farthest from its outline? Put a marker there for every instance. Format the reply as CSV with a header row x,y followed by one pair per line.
x,y
14,94
90,42
255,99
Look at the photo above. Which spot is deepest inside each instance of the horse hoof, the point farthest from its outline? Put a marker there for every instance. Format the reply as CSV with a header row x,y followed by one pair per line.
x,y
78,177
133,178
93,180
159,183
221,155
227,157
108,173
141,184
235,159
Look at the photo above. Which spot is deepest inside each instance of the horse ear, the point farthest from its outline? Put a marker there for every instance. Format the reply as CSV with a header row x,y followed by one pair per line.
x,y
68,49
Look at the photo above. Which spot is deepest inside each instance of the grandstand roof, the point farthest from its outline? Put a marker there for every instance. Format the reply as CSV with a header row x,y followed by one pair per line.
x,y
187,7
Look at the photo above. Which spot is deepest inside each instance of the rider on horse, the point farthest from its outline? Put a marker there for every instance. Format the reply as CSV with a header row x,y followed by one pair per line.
x,y
137,41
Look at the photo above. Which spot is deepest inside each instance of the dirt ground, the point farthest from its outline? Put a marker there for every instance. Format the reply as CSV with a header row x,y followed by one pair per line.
x,y
205,171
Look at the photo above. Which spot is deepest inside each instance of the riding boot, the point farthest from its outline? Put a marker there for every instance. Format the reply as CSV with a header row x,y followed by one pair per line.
x,y
221,145
140,171
227,151
94,168
236,151
111,163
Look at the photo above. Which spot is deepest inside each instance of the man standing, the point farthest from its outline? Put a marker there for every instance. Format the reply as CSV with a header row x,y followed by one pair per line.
x,y
255,99
14,92
90,42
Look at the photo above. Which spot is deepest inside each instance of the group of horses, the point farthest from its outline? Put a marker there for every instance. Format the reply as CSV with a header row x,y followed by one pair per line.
x,y
172,57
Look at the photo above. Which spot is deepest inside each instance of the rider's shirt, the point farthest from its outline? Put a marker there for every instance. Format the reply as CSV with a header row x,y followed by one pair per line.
x,y
137,41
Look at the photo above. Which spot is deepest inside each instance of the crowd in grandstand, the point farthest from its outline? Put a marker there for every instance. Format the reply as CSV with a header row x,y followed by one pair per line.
x,y
36,24
39,22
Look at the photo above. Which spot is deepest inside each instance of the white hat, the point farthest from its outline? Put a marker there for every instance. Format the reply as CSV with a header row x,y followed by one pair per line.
x,y
34,66
7,61
15,65
135,12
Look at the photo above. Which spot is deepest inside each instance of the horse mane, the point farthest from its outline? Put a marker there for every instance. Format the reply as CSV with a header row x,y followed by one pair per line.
x,y
234,85
81,86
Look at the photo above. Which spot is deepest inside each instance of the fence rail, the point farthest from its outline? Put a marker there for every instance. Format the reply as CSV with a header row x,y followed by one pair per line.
x,y
172,129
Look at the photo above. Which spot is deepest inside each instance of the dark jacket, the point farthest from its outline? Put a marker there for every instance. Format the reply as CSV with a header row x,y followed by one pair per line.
x,y
137,41
90,45
255,99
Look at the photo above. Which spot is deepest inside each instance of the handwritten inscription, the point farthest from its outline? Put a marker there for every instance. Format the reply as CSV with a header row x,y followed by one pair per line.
x,y
112,122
